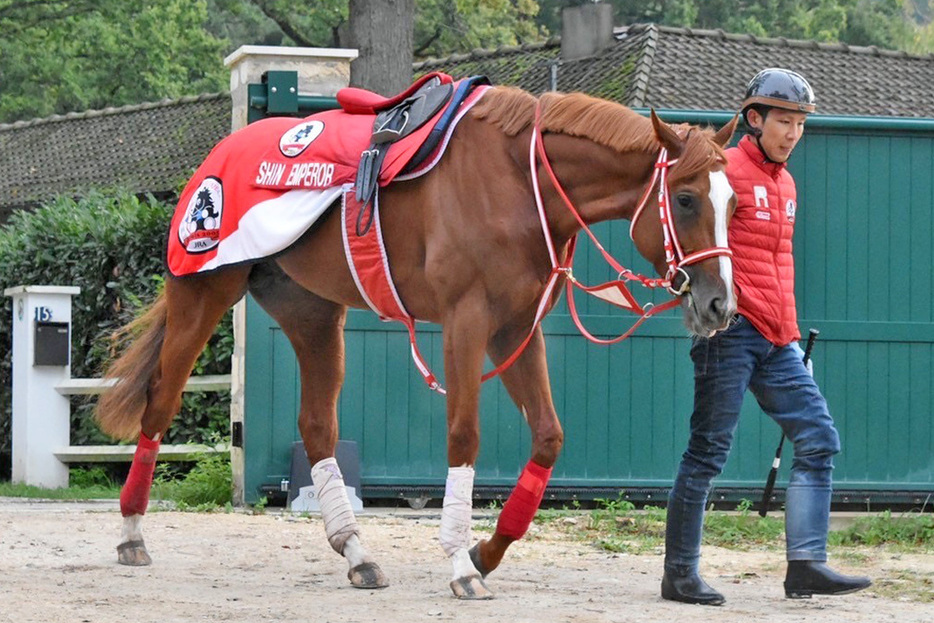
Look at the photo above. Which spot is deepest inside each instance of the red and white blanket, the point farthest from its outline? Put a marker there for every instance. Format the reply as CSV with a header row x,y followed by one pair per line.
x,y
263,186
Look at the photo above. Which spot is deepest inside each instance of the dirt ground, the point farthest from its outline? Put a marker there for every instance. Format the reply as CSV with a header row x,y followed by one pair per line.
x,y
58,564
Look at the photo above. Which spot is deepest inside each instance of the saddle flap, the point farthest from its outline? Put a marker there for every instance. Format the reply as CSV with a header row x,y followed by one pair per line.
x,y
410,114
357,101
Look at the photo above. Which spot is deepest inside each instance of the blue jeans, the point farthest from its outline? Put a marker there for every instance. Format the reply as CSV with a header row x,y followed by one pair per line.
x,y
725,365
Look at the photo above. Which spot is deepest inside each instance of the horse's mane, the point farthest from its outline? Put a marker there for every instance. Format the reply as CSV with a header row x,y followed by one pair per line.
x,y
607,123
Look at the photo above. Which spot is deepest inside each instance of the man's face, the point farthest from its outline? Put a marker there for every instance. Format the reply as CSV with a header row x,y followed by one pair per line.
x,y
781,131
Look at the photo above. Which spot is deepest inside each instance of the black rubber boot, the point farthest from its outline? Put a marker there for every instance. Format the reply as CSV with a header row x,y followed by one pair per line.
x,y
689,589
811,577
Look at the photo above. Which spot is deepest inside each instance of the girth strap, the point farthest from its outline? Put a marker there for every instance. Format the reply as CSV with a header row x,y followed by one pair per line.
x,y
369,265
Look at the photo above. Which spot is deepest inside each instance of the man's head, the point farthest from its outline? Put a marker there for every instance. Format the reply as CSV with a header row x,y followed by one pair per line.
x,y
776,104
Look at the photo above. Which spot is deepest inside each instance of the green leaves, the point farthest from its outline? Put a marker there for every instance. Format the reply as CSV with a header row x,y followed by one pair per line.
x,y
111,246
74,54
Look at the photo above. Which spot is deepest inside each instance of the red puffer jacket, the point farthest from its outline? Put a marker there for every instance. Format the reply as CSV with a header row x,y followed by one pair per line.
x,y
760,237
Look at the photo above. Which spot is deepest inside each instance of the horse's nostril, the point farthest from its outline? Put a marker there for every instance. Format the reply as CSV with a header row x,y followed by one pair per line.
x,y
717,307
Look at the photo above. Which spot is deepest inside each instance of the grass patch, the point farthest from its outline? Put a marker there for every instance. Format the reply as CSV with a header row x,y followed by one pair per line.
x,y
913,531
84,484
207,486
905,585
616,526
742,529
10,490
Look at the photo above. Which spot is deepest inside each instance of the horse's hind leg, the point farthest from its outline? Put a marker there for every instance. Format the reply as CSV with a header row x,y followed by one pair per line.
x,y
527,383
194,306
315,327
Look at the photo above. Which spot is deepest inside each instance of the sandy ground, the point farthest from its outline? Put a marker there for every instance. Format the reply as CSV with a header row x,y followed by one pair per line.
x,y
58,563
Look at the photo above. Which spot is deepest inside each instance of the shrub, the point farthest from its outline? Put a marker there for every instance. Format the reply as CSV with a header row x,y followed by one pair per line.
x,y
111,246
207,485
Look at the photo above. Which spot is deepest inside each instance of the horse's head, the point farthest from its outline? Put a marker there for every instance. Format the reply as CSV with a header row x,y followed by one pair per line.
x,y
702,203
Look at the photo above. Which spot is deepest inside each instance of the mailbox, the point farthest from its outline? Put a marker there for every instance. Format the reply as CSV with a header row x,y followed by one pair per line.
x,y
52,344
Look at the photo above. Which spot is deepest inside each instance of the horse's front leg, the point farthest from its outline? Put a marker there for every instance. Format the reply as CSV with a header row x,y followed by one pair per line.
x,y
528,385
315,328
465,339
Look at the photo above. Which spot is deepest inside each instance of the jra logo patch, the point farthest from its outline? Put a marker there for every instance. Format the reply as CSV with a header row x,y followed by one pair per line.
x,y
790,209
301,136
200,229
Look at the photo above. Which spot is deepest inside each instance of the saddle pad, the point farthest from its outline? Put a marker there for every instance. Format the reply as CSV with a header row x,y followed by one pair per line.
x,y
263,186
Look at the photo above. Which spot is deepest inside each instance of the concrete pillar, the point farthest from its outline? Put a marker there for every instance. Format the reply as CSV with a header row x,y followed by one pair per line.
x,y
321,71
41,416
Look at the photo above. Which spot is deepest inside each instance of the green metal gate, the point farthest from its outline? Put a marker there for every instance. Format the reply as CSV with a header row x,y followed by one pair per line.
x,y
863,243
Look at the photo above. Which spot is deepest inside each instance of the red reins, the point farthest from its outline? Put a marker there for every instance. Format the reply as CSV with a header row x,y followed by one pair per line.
x,y
615,292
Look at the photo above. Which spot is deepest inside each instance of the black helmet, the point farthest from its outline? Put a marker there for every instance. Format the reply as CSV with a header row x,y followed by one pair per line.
x,y
779,88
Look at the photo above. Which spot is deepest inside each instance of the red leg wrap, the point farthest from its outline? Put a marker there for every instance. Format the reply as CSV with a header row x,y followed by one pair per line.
x,y
524,501
134,498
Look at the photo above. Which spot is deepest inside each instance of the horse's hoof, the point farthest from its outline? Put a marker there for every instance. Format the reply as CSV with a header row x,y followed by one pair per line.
x,y
477,563
133,553
471,587
367,575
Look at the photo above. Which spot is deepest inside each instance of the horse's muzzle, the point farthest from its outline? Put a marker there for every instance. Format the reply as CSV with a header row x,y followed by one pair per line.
x,y
707,307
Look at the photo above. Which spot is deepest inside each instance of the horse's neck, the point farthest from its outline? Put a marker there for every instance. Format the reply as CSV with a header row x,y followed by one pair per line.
x,y
601,183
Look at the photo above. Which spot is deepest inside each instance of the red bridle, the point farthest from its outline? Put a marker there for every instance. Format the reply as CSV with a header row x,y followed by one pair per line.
x,y
615,292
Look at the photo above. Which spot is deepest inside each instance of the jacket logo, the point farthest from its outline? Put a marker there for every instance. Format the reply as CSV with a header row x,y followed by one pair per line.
x,y
762,196
763,215
299,137
200,228
790,210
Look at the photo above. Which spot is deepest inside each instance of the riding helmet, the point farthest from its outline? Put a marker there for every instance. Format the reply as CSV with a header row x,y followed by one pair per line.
x,y
779,88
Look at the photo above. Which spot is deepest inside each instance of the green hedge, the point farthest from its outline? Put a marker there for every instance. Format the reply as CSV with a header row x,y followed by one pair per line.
x,y
112,247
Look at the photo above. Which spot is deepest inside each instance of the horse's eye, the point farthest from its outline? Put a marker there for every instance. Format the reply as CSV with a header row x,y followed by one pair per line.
x,y
685,200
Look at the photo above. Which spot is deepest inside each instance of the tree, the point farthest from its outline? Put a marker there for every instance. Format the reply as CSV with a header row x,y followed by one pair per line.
x,y
62,55
382,33
892,24
311,24
444,27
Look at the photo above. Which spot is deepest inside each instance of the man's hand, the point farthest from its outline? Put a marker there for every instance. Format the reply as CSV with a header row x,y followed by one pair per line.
x,y
797,348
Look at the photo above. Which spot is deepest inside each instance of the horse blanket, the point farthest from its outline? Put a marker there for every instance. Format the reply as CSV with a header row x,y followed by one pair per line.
x,y
263,186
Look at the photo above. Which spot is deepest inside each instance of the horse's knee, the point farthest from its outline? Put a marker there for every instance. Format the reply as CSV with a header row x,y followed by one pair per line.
x,y
463,443
547,445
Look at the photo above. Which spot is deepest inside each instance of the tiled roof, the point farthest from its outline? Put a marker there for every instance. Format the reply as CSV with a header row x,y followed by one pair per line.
x,y
619,73
145,148
703,69
154,147
681,68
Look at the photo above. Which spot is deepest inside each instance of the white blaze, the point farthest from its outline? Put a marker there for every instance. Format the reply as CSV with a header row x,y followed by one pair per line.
x,y
720,193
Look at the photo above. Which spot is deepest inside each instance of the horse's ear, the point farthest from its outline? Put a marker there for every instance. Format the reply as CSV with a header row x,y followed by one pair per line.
x,y
667,137
724,134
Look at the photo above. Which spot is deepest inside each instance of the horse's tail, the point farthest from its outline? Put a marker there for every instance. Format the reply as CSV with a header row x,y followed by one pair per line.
x,y
120,409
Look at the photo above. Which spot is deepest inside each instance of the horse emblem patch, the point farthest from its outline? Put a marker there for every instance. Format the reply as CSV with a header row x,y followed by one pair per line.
x,y
200,229
301,136
790,210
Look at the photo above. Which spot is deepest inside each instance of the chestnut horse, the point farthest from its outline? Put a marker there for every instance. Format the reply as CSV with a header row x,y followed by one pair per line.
x,y
472,246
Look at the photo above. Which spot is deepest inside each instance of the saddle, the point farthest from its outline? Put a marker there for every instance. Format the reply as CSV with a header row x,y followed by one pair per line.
x,y
396,118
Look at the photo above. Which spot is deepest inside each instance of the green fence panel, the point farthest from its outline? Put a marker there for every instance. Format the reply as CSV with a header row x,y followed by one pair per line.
x,y
863,247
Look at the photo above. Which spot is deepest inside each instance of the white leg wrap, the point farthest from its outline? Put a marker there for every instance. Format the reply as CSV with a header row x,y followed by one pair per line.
x,y
132,528
455,515
336,512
